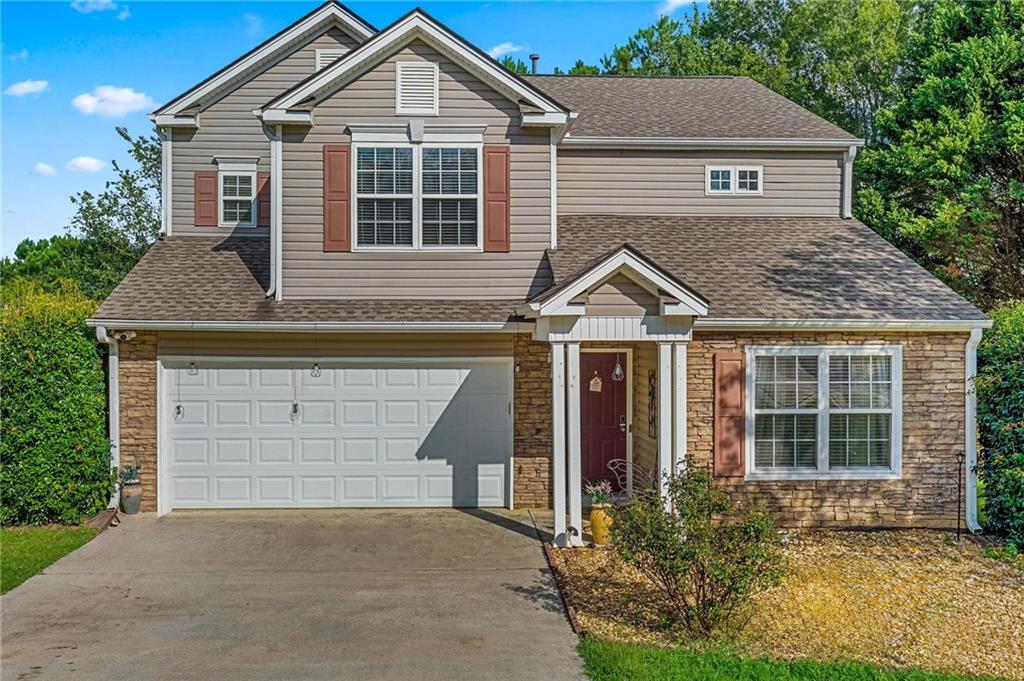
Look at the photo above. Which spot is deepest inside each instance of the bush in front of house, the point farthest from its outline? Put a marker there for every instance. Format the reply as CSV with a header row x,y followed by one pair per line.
x,y
706,563
54,451
1000,386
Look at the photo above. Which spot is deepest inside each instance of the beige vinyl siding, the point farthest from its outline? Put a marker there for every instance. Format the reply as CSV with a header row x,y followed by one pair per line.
x,y
640,182
620,296
308,272
333,345
645,446
228,128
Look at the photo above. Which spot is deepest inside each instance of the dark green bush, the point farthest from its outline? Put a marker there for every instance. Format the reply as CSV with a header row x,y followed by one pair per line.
x,y
706,564
1000,386
54,450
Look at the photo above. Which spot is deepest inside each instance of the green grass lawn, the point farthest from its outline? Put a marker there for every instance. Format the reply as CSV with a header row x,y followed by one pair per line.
x,y
25,551
608,661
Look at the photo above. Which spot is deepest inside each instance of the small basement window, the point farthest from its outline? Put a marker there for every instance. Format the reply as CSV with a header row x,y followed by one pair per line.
x,y
734,180
237,192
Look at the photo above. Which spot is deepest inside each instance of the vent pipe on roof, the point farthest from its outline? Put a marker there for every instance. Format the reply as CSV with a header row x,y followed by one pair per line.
x,y
533,63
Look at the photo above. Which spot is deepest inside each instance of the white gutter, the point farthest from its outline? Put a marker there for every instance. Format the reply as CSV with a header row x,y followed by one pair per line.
x,y
174,121
971,421
114,408
586,142
852,324
399,327
848,156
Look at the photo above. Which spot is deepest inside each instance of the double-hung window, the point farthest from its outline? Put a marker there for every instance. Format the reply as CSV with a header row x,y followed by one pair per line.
x,y
734,180
820,412
237,189
418,196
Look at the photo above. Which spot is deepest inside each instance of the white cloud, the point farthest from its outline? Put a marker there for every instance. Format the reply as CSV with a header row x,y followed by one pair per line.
x,y
27,87
90,6
110,102
253,23
85,164
668,7
20,55
125,13
41,168
501,49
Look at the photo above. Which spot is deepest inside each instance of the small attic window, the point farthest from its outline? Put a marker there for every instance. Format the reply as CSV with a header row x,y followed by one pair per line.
x,y
325,56
416,88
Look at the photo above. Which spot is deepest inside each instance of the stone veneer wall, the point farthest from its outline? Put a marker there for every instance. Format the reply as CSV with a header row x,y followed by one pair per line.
x,y
139,410
933,432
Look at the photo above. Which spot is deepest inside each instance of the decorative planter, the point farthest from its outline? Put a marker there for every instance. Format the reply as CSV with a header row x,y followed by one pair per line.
x,y
131,497
600,524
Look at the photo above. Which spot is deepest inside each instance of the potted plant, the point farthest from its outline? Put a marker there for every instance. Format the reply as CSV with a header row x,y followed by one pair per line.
x,y
131,487
600,519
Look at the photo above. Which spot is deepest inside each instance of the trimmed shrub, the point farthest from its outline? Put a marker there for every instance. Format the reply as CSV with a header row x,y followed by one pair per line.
x,y
1000,387
54,450
706,564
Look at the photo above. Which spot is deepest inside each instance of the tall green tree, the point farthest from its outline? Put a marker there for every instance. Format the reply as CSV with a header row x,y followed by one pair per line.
x,y
108,233
948,184
515,65
838,58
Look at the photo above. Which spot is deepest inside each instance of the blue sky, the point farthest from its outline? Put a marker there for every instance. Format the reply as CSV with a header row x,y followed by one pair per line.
x,y
72,71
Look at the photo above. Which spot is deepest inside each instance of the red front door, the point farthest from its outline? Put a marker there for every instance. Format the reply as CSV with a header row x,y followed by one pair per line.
x,y
603,414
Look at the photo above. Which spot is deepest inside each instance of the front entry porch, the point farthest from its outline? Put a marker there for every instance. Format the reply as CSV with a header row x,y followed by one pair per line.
x,y
630,431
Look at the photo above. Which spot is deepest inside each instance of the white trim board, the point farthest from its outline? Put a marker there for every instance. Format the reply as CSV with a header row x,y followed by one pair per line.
x,y
328,13
746,143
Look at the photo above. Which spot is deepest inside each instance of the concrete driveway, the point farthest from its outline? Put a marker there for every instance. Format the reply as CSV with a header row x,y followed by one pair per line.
x,y
333,594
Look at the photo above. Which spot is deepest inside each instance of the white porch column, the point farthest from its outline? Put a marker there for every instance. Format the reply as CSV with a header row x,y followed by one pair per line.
x,y
558,440
665,421
679,409
575,458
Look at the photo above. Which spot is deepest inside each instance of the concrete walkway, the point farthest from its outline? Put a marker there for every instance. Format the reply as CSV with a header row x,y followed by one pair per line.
x,y
332,594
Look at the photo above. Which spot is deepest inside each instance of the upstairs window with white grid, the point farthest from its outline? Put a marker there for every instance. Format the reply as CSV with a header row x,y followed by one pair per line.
x,y
384,196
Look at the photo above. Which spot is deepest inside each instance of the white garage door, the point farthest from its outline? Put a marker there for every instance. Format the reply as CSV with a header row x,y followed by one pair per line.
x,y
394,433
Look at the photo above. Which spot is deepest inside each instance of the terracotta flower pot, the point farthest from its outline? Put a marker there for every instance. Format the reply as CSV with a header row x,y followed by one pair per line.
x,y
600,524
131,497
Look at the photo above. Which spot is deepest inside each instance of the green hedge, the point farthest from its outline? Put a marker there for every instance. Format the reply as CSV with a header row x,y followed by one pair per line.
x,y
1000,386
54,450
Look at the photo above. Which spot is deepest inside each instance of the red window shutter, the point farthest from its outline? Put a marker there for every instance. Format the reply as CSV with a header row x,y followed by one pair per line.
x,y
497,204
206,198
337,190
730,417
263,199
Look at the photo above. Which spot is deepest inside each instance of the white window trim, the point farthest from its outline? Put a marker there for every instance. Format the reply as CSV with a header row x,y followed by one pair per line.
x,y
734,189
325,56
418,196
421,111
236,167
822,472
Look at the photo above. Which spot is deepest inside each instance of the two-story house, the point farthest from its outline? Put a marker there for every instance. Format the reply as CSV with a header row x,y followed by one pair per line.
x,y
394,273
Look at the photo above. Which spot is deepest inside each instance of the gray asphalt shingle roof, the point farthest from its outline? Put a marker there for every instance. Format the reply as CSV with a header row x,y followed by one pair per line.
x,y
189,278
712,107
768,267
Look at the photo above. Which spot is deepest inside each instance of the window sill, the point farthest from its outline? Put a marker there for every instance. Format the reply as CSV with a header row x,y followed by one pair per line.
x,y
855,474
413,249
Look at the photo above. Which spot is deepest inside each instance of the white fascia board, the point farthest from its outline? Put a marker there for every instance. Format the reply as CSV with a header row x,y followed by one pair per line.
x,y
283,117
174,121
585,142
397,327
415,25
545,120
934,325
560,304
349,23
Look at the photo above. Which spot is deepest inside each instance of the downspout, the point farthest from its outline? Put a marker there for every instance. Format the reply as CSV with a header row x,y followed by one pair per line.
x,y
278,199
275,150
113,407
971,414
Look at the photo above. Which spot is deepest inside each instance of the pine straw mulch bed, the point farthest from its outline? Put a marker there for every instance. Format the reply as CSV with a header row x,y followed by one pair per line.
x,y
911,598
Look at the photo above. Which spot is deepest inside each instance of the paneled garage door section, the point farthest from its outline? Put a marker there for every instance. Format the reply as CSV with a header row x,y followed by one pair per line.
x,y
408,433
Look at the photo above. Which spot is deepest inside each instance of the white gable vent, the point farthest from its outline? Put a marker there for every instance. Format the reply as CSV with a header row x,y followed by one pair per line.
x,y
416,88
327,55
